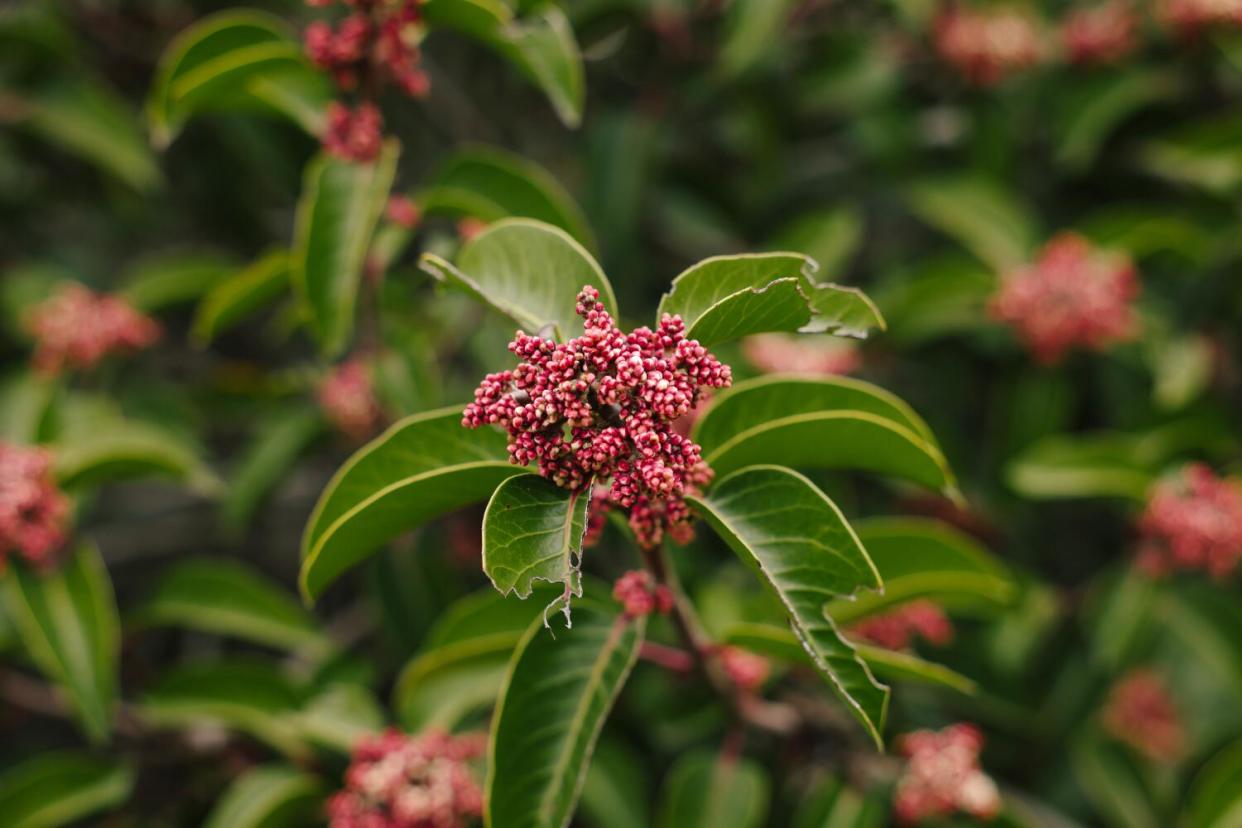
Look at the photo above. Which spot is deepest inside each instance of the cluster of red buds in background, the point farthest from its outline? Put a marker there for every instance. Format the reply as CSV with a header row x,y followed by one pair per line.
x,y
401,781
986,44
348,400
1190,17
990,42
898,628
1140,712
1074,294
76,328
601,407
747,670
377,43
33,512
1192,521
943,777
638,592
774,353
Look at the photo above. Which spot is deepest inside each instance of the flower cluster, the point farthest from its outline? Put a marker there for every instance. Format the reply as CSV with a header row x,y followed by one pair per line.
x,y
76,328
1100,34
1074,294
1140,713
638,592
403,212
987,44
772,353
601,407
33,512
897,629
1189,17
1193,520
400,781
745,669
377,42
943,776
348,400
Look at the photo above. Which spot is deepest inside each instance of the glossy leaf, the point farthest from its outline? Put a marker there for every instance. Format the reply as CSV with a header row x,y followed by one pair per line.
x,y
25,400
89,120
890,665
562,684
728,297
1215,797
241,294
820,423
419,469
224,597
248,696
532,531
490,184
341,715
921,558
615,794
173,279
61,788
540,45
829,237
276,448
213,59
340,207
268,796
704,790
1206,622
1203,154
942,296
983,217
67,620
529,271
805,550
753,28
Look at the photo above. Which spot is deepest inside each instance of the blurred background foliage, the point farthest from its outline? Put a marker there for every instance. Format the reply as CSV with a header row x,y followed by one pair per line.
x,y
695,128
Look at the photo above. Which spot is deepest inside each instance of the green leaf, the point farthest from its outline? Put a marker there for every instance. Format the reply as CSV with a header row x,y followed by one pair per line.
x,y
816,422
68,624
779,643
1099,465
1181,369
532,531
224,597
341,204
939,297
213,61
1215,798
562,684
1113,784
753,28
240,294
541,46
727,297
921,558
269,796
980,214
25,400
91,121
1206,620
490,183
276,448
300,93
61,788
703,790
805,550
837,805
421,468
1120,608
527,270
897,666
341,715
172,279
463,664
246,695
104,448
615,792
1205,155
1098,104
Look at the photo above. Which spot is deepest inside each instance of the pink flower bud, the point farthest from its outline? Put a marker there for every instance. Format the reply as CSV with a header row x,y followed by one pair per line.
x,y
1140,712
988,43
348,400
1192,521
896,629
33,512
77,328
1100,34
942,776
